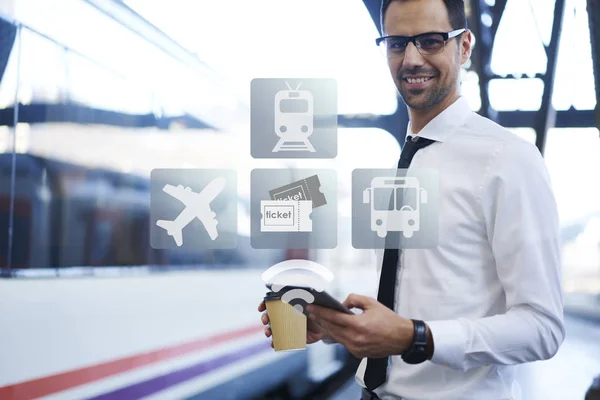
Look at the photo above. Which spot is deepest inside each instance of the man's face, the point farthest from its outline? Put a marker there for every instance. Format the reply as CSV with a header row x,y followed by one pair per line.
x,y
440,71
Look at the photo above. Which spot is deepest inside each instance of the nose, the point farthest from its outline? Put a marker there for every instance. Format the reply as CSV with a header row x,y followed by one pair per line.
x,y
412,57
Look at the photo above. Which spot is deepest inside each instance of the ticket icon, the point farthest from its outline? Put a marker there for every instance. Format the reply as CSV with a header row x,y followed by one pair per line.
x,y
285,216
304,189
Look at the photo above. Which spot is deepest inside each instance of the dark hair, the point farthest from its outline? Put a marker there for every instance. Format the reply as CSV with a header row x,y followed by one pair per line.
x,y
456,12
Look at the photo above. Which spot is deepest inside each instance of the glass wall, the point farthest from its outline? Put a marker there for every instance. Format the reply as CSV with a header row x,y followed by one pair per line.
x,y
572,155
74,170
573,160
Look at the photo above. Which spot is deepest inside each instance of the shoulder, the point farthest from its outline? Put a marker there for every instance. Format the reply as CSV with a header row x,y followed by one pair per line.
x,y
484,148
503,160
504,144
478,126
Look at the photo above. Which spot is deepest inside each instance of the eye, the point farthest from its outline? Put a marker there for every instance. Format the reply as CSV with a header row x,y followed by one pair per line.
x,y
429,42
397,44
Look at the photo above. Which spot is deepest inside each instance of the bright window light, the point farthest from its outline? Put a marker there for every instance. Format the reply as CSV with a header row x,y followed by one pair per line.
x,y
516,94
573,159
518,50
243,40
521,51
525,133
121,56
574,80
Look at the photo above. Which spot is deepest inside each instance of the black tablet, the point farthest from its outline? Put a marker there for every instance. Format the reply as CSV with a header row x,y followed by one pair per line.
x,y
323,298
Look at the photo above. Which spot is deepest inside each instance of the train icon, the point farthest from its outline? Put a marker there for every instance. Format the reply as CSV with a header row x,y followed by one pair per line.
x,y
293,122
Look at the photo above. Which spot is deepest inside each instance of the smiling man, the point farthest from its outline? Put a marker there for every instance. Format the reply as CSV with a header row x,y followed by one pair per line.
x,y
489,295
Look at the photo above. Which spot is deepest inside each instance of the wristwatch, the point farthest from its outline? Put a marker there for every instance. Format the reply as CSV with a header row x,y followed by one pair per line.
x,y
417,353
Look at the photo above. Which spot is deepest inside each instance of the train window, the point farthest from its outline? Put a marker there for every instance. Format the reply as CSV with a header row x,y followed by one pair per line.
x,y
69,215
21,232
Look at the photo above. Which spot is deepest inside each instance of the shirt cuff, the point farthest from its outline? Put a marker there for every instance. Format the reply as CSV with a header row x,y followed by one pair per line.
x,y
449,343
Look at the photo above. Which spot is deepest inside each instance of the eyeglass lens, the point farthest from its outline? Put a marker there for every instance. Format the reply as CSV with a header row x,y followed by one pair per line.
x,y
431,43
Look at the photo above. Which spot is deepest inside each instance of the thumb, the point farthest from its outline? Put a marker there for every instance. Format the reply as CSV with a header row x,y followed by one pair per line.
x,y
358,301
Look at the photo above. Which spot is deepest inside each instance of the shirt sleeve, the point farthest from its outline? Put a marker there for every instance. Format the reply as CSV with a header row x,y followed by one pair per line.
x,y
522,226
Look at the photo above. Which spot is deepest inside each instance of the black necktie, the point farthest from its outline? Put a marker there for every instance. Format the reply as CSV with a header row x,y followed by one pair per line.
x,y
376,372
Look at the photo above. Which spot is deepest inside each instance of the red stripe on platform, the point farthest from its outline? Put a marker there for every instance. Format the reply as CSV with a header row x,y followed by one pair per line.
x,y
66,380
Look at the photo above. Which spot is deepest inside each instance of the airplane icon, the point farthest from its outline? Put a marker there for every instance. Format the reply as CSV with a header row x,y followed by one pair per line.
x,y
196,206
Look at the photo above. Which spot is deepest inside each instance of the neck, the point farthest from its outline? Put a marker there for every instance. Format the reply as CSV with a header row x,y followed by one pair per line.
x,y
420,118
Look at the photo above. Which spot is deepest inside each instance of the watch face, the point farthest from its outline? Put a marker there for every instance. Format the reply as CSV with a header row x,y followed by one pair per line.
x,y
415,356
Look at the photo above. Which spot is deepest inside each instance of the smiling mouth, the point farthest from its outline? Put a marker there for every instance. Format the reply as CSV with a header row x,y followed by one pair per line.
x,y
418,80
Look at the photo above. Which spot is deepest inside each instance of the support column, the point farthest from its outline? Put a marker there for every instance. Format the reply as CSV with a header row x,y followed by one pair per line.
x,y
593,9
546,116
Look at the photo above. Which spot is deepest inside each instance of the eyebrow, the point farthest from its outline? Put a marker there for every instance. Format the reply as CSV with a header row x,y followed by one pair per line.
x,y
426,31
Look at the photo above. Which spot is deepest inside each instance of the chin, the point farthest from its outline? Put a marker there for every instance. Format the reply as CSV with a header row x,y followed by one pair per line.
x,y
416,103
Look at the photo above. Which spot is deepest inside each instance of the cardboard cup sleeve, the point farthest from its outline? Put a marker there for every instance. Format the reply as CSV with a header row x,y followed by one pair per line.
x,y
288,326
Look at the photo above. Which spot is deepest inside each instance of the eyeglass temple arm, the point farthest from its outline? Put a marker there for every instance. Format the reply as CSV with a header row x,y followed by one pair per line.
x,y
456,33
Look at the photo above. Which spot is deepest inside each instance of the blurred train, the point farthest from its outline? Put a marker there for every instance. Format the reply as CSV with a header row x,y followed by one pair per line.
x,y
90,310
69,216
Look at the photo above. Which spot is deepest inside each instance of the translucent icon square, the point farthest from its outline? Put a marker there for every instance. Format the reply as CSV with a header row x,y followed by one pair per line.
x,y
193,209
395,208
293,209
293,118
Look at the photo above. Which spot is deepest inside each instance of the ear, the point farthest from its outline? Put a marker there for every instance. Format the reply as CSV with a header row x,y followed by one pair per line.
x,y
466,46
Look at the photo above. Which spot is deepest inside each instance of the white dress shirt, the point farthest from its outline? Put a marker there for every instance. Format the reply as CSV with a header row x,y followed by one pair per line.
x,y
491,290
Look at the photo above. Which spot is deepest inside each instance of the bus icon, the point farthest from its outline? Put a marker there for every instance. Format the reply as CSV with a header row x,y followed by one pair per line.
x,y
395,204
294,116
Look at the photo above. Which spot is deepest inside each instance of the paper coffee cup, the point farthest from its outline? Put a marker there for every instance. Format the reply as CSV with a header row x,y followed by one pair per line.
x,y
288,326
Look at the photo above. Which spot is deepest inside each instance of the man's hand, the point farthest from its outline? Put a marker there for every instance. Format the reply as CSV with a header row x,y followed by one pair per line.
x,y
377,332
314,331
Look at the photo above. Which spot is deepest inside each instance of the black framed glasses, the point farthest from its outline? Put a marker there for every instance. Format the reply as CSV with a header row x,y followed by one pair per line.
x,y
428,43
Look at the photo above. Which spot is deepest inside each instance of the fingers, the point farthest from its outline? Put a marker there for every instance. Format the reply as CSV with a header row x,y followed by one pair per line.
x,y
314,327
314,331
337,332
358,301
265,318
312,338
265,321
321,314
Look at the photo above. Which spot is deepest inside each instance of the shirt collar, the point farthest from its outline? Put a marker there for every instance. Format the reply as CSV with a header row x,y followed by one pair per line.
x,y
444,124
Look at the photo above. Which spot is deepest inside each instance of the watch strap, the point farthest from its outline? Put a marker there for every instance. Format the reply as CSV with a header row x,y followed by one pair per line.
x,y
420,338
417,353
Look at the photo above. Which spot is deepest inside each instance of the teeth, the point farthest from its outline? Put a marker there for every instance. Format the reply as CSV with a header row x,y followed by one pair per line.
x,y
418,80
